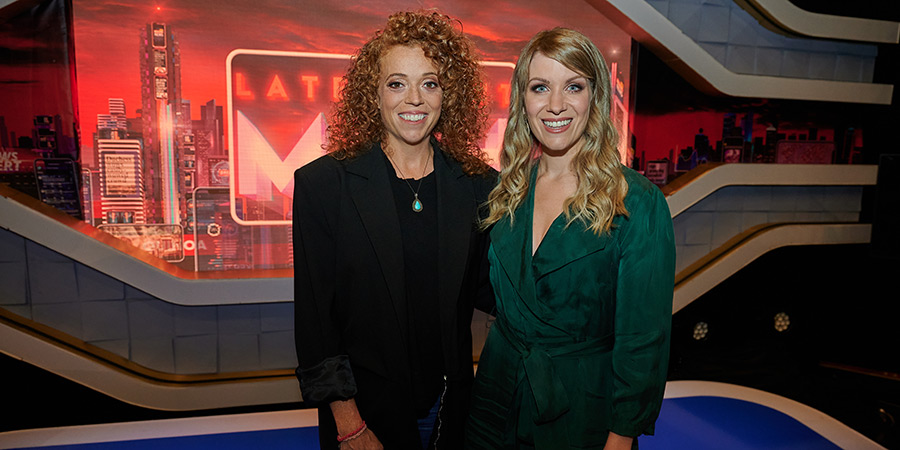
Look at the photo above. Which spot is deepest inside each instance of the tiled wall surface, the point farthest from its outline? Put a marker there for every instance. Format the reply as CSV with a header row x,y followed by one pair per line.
x,y
731,210
54,290
734,38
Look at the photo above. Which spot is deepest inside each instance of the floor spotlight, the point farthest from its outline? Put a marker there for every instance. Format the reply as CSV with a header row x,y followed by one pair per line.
x,y
701,329
782,322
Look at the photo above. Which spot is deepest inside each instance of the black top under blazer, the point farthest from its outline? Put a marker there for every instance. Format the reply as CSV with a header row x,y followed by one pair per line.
x,y
351,325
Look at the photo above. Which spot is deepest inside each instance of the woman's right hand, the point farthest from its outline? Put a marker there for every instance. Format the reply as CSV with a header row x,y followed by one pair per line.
x,y
347,419
365,441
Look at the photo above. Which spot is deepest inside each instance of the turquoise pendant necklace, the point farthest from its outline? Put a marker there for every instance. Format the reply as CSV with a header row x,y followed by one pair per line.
x,y
416,203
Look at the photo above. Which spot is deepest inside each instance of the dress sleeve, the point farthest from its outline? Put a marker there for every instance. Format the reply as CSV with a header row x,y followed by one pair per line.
x,y
324,372
643,317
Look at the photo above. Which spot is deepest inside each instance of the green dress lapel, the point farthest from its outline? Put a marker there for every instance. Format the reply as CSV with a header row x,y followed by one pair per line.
x,y
511,242
563,245
560,246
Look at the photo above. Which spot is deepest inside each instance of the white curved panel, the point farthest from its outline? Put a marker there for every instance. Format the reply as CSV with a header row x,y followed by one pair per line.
x,y
788,16
762,243
770,175
79,247
131,389
64,240
137,391
684,55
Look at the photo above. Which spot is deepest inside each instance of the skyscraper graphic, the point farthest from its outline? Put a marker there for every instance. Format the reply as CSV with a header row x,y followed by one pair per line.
x,y
117,107
120,173
4,133
208,142
113,125
121,186
163,127
46,134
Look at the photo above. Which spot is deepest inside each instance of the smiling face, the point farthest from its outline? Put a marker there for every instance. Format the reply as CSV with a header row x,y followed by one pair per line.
x,y
409,96
557,103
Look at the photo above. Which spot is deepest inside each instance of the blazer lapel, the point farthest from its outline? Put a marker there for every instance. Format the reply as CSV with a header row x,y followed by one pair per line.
x,y
456,215
370,190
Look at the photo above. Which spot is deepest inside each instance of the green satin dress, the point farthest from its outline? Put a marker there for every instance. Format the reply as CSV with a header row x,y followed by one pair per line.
x,y
580,345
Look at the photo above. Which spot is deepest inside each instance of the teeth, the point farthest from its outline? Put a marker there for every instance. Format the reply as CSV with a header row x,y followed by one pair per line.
x,y
557,123
412,117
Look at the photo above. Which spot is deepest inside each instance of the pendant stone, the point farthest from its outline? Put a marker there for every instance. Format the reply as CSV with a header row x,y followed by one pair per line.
x,y
416,204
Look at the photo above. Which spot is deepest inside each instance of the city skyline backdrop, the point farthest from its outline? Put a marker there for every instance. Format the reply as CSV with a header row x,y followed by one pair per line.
x,y
208,31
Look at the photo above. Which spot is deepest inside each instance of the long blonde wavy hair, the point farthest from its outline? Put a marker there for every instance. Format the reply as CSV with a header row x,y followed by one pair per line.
x,y
600,195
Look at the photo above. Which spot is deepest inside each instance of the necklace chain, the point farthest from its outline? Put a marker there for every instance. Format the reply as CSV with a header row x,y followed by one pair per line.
x,y
416,204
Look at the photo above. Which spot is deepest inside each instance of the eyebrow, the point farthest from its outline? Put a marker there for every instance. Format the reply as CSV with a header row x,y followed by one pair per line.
x,y
406,76
543,80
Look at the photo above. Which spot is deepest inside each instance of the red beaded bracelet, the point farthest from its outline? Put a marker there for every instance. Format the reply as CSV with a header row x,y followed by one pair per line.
x,y
354,434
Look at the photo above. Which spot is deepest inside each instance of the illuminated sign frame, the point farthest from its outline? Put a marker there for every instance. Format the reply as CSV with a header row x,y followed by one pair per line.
x,y
231,134
232,157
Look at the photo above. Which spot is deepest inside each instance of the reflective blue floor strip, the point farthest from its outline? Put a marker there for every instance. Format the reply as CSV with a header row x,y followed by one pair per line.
x,y
700,423
696,421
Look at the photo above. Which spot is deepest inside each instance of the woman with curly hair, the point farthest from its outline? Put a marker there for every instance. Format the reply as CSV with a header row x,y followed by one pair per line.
x,y
582,262
389,258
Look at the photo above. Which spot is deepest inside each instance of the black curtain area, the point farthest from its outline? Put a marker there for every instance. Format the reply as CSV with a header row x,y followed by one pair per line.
x,y
838,353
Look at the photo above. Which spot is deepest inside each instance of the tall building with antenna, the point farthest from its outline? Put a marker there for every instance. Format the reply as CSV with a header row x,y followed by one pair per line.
x,y
163,126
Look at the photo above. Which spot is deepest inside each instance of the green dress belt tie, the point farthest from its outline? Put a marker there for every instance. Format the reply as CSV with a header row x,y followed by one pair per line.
x,y
537,374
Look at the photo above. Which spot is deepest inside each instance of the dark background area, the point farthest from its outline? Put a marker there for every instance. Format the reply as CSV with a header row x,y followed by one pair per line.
x,y
839,354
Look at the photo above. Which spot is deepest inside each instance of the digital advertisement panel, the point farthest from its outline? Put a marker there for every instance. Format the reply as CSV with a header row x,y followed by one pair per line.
x,y
194,115
278,102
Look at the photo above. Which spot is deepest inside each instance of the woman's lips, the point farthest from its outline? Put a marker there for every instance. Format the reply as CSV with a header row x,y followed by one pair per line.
x,y
556,125
413,117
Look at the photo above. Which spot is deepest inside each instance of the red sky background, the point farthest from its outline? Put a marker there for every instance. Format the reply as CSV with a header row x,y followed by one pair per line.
x,y
107,38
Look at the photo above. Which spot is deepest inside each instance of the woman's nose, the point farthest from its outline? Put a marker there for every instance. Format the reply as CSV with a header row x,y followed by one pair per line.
x,y
414,97
556,103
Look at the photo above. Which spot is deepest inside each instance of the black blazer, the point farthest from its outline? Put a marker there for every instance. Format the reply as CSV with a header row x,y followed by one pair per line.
x,y
351,326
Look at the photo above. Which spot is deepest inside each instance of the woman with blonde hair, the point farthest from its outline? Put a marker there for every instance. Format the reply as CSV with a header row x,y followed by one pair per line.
x,y
582,263
389,259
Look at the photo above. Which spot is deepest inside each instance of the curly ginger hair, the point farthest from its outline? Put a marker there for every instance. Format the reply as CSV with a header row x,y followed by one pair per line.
x,y
355,123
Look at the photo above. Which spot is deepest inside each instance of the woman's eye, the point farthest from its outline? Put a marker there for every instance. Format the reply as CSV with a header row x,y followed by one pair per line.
x,y
431,84
575,87
539,88
395,85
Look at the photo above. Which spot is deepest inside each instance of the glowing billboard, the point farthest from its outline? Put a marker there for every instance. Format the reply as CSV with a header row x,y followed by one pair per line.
x,y
277,107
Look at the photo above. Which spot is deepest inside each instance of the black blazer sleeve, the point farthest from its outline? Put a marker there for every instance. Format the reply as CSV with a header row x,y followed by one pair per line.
x,y
484,296
324,371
